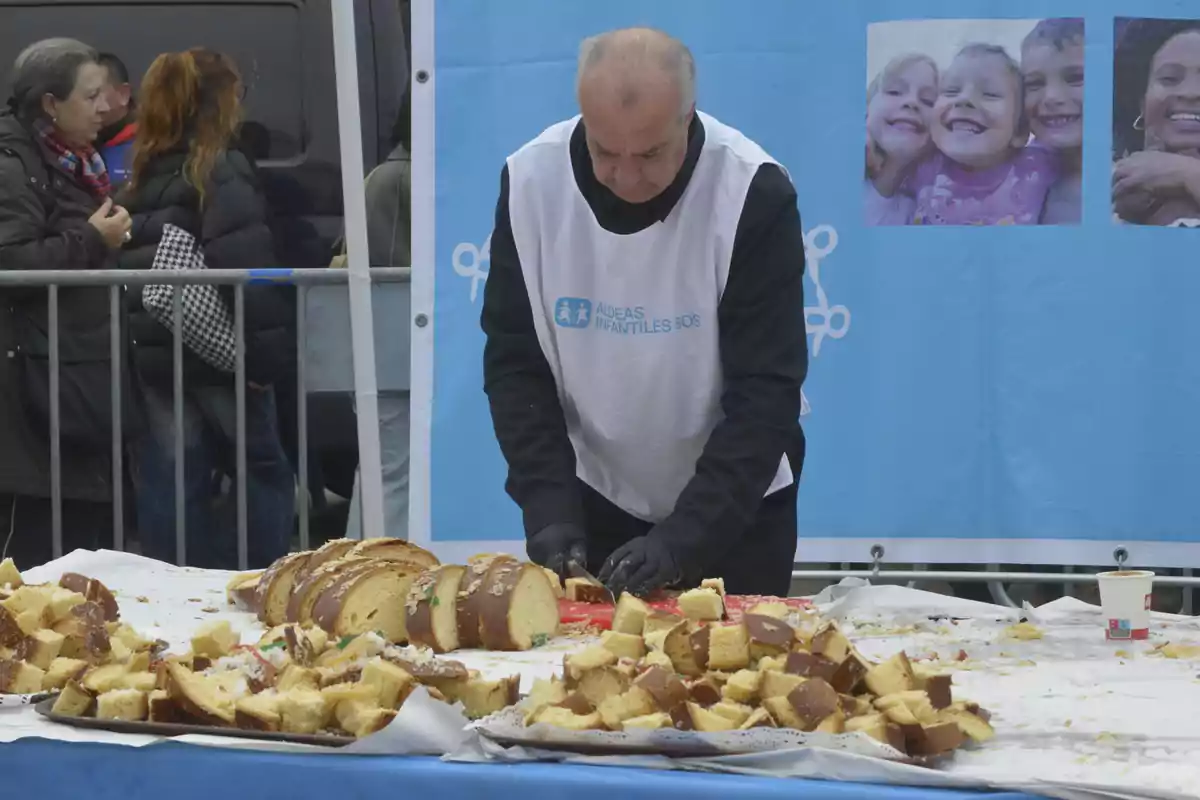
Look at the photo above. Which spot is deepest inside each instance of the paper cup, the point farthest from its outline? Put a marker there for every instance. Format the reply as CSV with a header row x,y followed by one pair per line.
x,y
1125,600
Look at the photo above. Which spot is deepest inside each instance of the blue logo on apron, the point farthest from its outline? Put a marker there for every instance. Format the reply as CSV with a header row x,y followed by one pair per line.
x,y
572,312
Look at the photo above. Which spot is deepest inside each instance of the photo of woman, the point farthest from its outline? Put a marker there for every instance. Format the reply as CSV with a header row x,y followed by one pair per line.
x,y
1156,122
962,132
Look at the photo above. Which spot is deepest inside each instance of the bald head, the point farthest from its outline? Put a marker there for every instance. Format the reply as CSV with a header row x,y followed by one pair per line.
x,y
637,91
632,63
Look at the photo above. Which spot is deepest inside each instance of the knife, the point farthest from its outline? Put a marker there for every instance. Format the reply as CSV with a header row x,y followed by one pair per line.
x,y
577,570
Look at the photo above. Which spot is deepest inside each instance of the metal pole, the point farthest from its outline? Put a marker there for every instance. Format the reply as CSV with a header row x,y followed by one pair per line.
x,y
239,336
998,591
1188,595
208,277
118,439
362,328
56,533
302,409
833,575
177,416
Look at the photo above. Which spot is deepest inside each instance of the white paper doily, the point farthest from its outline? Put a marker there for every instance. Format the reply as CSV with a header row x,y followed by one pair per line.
x,y
508,727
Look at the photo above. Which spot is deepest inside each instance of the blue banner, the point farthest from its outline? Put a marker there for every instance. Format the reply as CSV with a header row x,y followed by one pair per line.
x,y
1014,379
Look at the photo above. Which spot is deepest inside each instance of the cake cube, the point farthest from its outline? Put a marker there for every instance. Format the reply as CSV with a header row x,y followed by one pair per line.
x,y
20,677
636,702
702,605
74,701
737,713
742,686
654,721
10,576
215,639
41,648
129,705
728,647
391,683
303,711
62,670
567,719
623,645
630,616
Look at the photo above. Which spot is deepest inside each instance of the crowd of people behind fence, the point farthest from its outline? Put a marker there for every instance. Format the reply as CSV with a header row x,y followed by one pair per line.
x,y
92,177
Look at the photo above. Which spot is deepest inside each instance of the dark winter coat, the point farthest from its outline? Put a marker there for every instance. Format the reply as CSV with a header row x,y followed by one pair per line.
x,y
231,229
44,213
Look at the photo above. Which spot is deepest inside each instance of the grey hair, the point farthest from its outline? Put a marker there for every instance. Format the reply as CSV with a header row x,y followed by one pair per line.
x,y
670,54
50,66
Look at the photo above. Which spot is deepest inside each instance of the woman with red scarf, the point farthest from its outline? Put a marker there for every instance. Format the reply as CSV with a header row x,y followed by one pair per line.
x,y
55,214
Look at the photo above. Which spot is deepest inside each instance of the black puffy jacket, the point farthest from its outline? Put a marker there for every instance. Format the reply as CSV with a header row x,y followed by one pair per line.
x,y
231,228
44,214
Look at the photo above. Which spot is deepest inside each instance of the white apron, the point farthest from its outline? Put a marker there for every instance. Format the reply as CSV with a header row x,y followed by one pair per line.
x,y
628,323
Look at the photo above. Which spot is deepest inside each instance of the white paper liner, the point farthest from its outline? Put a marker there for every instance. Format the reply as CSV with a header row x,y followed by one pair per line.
x,y
508,727
1060,705
422,726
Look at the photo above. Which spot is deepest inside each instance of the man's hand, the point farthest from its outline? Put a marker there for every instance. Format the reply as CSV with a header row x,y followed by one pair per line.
x,y
556,545
640,566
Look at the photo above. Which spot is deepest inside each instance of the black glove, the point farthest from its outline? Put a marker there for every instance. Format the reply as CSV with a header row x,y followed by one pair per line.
x,y
640,566
555,545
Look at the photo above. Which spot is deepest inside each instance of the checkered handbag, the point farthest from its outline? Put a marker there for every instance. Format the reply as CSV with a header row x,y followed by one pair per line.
x,y
207,321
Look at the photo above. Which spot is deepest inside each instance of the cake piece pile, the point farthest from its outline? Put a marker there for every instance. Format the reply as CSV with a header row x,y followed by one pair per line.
x,y
295,679
696,672
53,633
402,592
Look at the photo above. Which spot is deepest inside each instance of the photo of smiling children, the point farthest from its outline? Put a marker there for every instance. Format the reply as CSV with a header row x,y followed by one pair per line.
x,y
1156,122
974,122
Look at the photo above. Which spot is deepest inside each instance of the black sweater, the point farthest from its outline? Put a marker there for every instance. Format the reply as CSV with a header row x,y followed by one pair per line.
x,y
232,230
764,357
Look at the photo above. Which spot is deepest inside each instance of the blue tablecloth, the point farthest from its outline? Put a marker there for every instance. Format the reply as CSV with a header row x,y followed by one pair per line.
x,y
48,770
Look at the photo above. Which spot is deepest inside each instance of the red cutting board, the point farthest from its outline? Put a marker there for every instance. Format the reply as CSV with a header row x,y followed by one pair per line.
x,y
600,615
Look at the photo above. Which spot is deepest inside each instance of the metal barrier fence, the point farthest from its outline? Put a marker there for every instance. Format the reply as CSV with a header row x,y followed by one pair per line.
x,y
119,280
995,578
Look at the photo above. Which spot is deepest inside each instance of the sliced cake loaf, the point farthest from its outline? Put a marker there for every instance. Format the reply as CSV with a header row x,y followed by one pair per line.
x,y
242,591
306,590
555,581
332,550
431,614
365,600
275,587
517,607
395,550
467,603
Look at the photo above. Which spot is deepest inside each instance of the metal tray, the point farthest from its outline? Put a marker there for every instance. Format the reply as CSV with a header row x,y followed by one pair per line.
x,y
183,729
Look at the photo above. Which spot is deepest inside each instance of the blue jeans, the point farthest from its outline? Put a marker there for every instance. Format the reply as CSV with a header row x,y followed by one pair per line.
x,y
209,435
393,455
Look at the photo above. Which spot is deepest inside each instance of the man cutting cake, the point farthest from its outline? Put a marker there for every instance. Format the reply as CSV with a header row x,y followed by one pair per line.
x,y
645,334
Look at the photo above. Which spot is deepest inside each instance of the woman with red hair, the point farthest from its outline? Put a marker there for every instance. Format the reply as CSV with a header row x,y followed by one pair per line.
x,y
186,172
